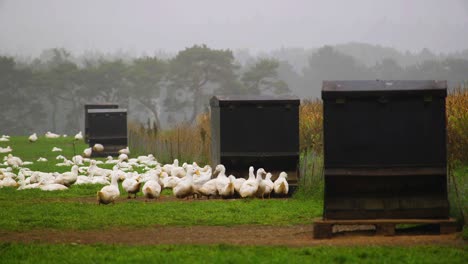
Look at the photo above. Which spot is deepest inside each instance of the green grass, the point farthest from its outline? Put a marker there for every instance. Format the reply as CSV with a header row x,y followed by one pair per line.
x,y
28,151
43,253
459,203
31,209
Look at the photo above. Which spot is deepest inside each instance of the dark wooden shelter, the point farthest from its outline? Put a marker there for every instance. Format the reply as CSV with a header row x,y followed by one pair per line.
x,y
385,149
261,131
109,128
95,106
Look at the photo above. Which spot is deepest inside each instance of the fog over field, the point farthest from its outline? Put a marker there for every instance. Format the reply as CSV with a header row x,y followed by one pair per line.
x,y
145,26
164,60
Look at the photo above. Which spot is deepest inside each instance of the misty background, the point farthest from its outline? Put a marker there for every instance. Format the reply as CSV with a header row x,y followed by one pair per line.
x,y
163,60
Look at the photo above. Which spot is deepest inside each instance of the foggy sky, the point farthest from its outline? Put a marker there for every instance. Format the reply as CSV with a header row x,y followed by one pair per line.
x,y
138,26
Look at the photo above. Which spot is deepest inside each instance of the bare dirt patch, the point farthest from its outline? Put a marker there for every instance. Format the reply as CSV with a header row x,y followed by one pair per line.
x,y
300,235
162,199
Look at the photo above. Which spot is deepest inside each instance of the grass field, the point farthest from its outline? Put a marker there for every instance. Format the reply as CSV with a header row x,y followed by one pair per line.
x,y
30,209
40,253
75,209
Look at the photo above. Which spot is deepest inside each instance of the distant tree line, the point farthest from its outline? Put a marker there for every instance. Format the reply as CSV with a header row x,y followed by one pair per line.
x,y
48,92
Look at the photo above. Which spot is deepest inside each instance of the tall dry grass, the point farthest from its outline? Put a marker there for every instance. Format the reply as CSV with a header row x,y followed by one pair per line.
x,y
457,140
185,142
457,126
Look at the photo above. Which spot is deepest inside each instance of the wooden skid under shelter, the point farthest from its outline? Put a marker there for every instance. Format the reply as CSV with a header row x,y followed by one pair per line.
x,y
323,228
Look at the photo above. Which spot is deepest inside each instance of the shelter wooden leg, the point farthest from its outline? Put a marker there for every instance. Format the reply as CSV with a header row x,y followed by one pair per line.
x,y
448,228
322,230
385,229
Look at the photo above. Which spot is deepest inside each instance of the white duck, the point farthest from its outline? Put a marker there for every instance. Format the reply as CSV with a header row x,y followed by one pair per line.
x,y
33,138
8,182
23,183
281,186
98,147
238,184
168,167
68,178
152,189
6,150
77,160
269,185
178,172
94,170
123,157
208,189
46,186
224,185
125,151
87,152
110,160
49,134
55,149
200,179
132,184
170,181
13,161
249,187
261,183
41,159
109,193
185,188
79,136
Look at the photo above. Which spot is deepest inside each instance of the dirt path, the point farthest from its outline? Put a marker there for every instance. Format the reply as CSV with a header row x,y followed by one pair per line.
x,y
238,235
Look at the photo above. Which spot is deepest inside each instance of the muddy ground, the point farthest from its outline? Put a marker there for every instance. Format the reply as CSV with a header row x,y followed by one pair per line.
x,y
300,235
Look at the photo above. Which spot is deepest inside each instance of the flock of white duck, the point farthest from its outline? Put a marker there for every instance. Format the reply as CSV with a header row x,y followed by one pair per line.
x,y
188,180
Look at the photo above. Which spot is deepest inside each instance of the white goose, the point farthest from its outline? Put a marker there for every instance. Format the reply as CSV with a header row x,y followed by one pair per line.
x,y
250,186
281,186
109,193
